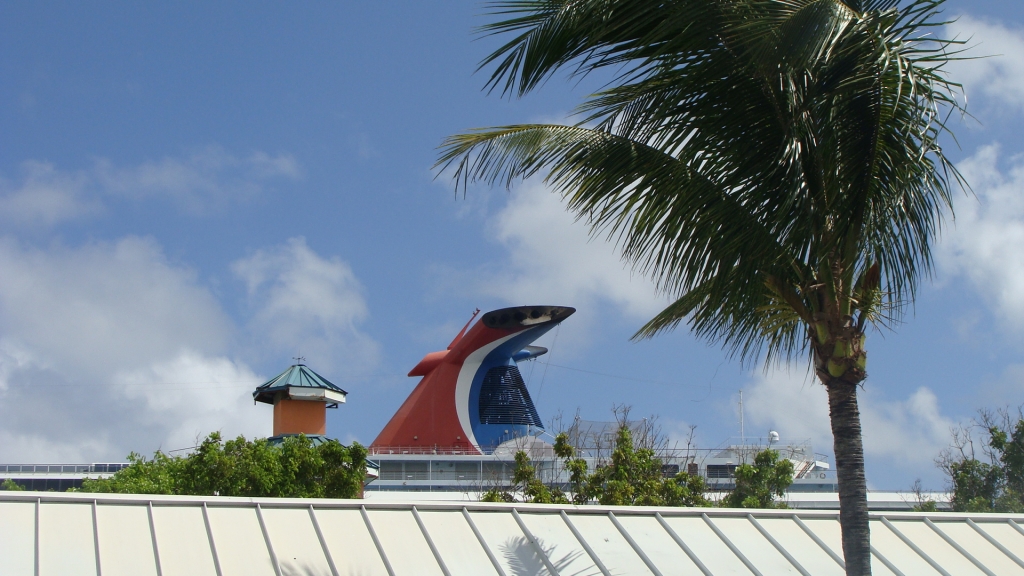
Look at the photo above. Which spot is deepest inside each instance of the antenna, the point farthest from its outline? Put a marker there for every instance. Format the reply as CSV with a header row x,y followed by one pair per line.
x,y
464,328
742,436
300,360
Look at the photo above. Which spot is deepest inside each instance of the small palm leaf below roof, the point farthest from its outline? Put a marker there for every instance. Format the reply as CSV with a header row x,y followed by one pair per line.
x,y
296,376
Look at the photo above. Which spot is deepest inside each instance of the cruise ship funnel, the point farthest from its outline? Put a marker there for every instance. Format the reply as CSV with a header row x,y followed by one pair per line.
x,y
472,396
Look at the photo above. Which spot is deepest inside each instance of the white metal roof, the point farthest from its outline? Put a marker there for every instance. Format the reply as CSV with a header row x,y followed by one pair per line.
x,y
43,534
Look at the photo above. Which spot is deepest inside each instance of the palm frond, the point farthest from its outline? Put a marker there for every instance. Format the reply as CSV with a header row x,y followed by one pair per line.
x,y
754,157
666,215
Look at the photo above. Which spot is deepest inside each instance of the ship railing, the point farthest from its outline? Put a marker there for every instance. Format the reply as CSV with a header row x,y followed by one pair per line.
x,y
425,450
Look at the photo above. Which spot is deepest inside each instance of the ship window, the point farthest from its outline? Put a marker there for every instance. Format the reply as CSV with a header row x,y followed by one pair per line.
x,y
504,399
467,470
390,470
495,471
417,470
720,470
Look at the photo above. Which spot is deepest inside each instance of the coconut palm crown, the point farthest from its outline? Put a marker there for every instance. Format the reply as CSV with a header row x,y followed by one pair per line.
x,y
773,165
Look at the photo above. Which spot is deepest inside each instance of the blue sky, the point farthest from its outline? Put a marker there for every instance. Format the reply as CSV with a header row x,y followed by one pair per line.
x,y
191,195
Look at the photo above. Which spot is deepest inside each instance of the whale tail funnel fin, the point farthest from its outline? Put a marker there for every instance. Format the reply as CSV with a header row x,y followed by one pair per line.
x,y
472,396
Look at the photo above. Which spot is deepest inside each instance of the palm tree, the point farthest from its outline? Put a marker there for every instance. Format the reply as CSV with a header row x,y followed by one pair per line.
x,y
773,165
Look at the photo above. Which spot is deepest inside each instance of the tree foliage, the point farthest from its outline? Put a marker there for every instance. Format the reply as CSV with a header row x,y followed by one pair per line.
x,y
774,166
9,484
992,481
294,469
525,486
632,476
759,485
923,502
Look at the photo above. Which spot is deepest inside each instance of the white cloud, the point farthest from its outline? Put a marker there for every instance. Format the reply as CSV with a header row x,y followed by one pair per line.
x,y
103,305
989,231
905,434
1000,74
208,179
205,181
109,347
81,330
32,448
1003,390
552,257
309,305
44,197
192,395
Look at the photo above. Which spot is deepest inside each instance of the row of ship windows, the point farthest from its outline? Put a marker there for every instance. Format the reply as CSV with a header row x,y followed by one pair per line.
x,y
412,470
423,470
48,484
62,468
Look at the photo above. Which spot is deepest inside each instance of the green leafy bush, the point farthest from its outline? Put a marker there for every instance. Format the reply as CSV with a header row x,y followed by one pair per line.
x,y
993,482
760,484
293,469
632,477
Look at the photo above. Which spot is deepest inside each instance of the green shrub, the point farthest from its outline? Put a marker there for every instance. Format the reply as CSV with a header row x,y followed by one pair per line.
x,y
293,469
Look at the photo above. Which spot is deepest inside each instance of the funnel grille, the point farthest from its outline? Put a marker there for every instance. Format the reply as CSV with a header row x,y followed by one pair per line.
x,y
504,399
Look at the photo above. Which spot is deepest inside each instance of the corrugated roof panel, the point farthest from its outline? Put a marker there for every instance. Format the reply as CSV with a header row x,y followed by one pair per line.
x,y
801,547
280,536
897,552
350,543
759,551
403,542
658,545
456,543
295,541
126,542
562,548
183,542
1006,535
17,537
239,540
880,569
936,548
706,545
979,547
828,531
611,547
507,542
66,544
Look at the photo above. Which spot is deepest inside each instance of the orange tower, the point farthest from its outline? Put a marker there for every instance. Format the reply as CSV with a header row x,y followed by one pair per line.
x,y
301,398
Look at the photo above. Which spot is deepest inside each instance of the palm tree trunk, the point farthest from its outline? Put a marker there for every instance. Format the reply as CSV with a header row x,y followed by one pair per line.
x,y
853,502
